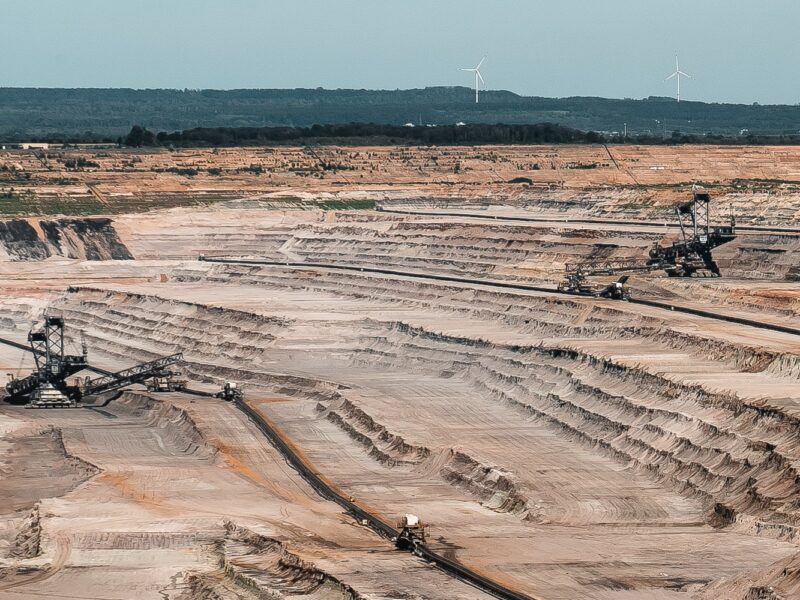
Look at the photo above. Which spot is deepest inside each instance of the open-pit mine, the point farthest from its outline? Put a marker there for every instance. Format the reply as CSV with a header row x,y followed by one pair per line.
x,y
400,373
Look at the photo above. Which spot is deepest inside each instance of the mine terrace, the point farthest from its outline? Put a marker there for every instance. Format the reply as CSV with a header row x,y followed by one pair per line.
x,y
357,372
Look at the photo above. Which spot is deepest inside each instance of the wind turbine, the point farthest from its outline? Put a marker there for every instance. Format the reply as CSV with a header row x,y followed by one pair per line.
x,y
677,74
477,72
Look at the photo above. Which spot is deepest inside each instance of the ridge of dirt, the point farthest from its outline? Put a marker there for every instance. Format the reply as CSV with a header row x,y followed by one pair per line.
x,y
255,566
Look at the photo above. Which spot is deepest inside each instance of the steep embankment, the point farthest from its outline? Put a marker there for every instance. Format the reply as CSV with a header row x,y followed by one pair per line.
x,y
734,454
253,566
35,465
779,581
501,250
88,239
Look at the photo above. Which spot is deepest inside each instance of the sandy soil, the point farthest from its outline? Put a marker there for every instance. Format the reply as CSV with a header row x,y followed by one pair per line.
x,y
570,447
761,183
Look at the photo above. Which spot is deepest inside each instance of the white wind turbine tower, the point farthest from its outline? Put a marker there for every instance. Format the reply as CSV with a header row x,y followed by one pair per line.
x,y
478,77
678,74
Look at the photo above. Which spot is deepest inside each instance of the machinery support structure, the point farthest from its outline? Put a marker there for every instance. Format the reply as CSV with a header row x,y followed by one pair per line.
x,y
690,255
47,386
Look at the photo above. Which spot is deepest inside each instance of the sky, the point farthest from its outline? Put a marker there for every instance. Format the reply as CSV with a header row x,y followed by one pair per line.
x,y
741,51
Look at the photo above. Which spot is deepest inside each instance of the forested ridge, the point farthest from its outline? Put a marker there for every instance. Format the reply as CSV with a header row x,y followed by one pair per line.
x,y
91,114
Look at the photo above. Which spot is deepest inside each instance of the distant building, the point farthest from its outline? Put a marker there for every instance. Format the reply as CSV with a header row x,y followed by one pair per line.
x,y
34,146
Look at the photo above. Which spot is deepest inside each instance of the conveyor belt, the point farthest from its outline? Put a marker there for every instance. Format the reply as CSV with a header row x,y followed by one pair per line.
x,y
582,221
326,490
323,488
509,285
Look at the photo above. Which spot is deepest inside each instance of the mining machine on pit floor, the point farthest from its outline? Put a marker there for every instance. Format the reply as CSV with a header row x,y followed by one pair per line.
x,y
47,386
686,257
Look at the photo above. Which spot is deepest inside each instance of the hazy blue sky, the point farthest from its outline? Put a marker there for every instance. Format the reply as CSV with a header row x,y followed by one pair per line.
x,y
736,50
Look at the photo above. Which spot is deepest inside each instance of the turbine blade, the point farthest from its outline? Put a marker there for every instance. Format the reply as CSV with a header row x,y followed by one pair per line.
x,y
684,74
671,76
480,63
478,73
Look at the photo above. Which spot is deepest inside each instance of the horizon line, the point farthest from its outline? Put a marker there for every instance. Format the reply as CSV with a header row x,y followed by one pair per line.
x,y
387,90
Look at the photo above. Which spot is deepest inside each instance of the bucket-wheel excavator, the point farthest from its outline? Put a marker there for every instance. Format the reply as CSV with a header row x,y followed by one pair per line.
x,y
686,257
48,386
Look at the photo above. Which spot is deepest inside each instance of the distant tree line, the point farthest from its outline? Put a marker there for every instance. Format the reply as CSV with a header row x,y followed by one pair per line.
x,y
361,134
85,115
138,137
